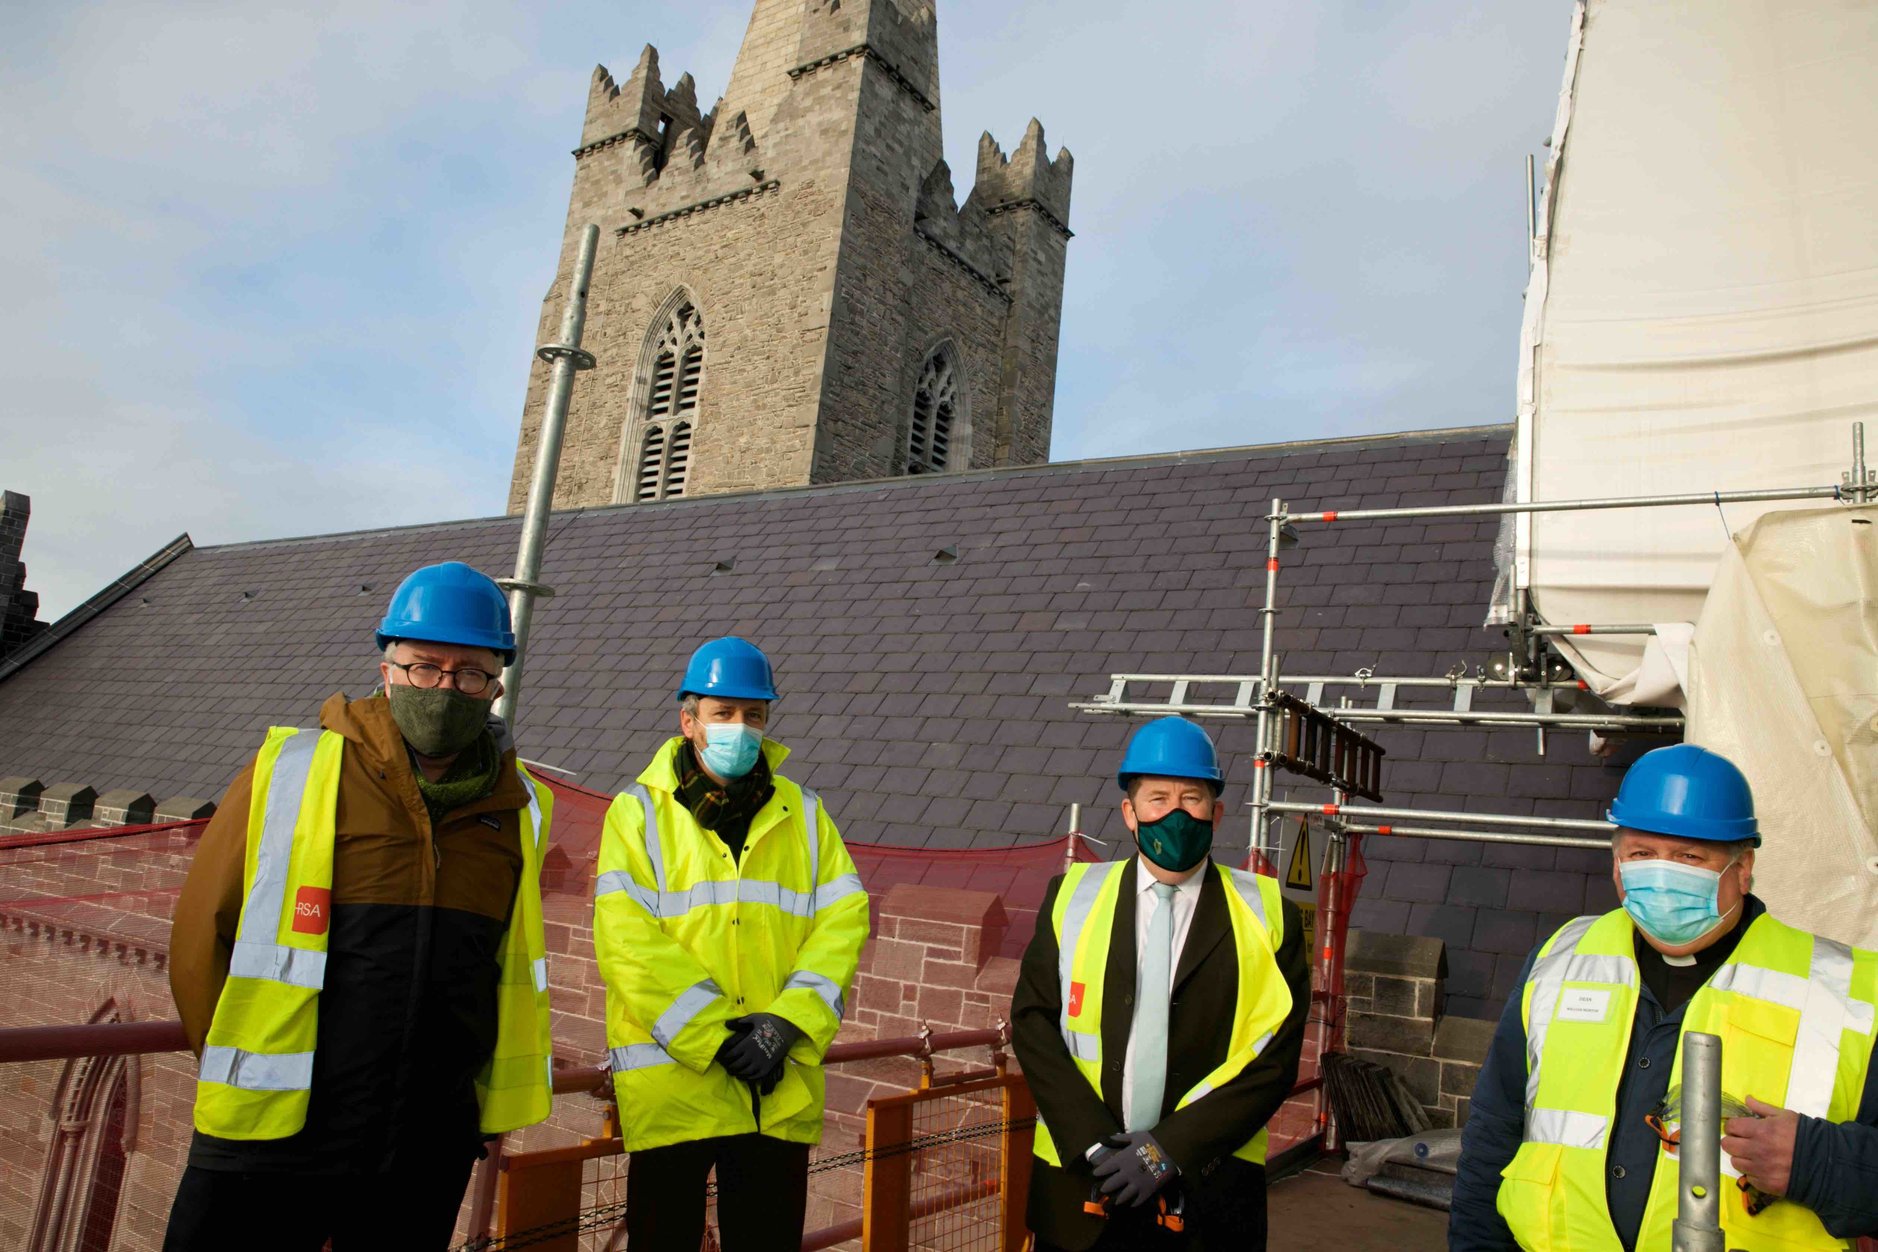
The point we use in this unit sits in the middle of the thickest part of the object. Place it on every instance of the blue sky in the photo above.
(268, 271)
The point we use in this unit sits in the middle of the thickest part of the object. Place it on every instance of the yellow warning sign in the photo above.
(1299, 873)
(1309, 913)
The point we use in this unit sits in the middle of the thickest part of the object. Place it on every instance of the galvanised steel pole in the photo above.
(1268, 674)
(1566, 506)
(566, 357)
(1698, 1189)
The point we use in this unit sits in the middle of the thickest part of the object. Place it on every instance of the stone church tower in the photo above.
(787, 291)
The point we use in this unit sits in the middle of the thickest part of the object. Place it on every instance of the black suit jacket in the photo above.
(1224, 1196)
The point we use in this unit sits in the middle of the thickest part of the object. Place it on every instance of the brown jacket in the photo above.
(407, 1015)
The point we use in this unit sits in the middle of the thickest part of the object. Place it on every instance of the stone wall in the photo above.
(19, 608)
(810, 218)
(1397, 990)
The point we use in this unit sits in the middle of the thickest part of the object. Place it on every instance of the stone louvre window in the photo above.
(935, 407)
(671, 406)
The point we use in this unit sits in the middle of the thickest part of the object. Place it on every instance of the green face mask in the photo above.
(1177, 842)
(437, 721)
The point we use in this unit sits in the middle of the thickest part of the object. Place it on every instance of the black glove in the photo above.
(756, 1048)
(1136, 1170)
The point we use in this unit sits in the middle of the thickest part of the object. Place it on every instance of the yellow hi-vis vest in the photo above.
(256, 1073)
(1794, 1014)
(1084, 920)
(688, 936)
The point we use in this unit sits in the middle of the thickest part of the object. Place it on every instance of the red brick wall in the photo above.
(87, 924)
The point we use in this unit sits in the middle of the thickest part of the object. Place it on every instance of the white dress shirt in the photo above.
(1186, 896)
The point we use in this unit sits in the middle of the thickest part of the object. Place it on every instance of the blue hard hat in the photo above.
(450, 603)
(1688, 792)
(1170, 747)
(731, 669)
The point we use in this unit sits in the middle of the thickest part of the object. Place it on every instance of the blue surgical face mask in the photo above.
(730, 748)
(1676, 904)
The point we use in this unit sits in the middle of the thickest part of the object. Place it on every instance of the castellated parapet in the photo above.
(788, 290)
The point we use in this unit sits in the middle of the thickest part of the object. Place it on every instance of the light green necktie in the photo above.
(1148, 1076)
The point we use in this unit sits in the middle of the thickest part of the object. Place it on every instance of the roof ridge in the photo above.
(1184, 456)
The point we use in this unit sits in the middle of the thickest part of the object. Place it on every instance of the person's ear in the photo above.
(1219, 811)
(1128, 815)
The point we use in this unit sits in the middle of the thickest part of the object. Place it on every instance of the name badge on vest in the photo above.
(1581, 1004)
(312, 910)
(1075, 999)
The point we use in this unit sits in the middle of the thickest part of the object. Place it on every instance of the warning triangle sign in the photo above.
(1298, 873)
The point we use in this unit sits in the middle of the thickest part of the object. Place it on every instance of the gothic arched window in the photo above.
(936, 405)
(93, 1113)
(677, 373)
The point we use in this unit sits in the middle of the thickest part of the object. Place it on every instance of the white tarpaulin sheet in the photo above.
(1703, 309)
(1783, 681)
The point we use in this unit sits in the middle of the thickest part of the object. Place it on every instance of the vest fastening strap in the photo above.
(257, 1071)
(1569, 1129)
(638, 1056)
(690, 1002)
(823, 987)
(1550, 973)
(1075, 917)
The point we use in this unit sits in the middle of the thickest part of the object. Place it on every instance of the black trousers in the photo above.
(762, 1195)
(412, 1210)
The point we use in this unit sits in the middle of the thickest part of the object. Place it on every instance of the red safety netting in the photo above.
(1017, 874)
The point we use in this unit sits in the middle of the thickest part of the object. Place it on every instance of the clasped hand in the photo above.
(757, 1049)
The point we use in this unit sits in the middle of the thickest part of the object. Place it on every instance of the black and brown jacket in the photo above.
(407, 1016)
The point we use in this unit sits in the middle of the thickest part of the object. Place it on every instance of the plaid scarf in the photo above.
(723, 809)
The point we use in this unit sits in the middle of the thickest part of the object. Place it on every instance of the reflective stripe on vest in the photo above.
(690, 1002)
(1783, 1001)
(1084, 922)
(668, 905)
(638, 1056)
(823, 987)
(257, 954)
(1075, 919)
(249, 1085)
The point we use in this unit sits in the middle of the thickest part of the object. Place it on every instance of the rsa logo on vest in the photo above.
(312, 910)
(1075, 999)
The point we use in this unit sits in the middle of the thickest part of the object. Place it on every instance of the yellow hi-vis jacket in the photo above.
(1794, 1014)
(256, 1071)
(1084, 920)
(688, 937)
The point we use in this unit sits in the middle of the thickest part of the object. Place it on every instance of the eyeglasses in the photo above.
(471, 682)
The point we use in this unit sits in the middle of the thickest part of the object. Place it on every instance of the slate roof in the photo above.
(929, 634)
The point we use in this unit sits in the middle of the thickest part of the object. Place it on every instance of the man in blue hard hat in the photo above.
(1575, 1112)
(357, 954)
(1159, 1015)
(728, 922)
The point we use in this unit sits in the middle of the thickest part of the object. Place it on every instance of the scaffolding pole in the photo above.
(1565, 506)
(566, 357)
(1361, 812)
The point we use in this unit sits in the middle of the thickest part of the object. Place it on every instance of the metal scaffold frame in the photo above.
(1526, 668)
(1349, 762)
